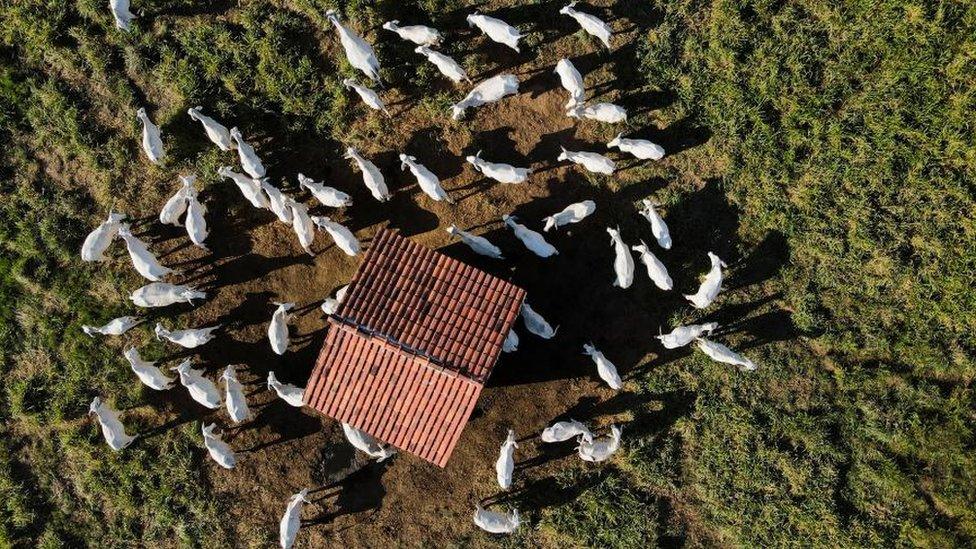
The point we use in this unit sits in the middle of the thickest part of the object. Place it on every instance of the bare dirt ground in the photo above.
(256, 261)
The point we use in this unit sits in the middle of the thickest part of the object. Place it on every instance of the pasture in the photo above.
(825, 151)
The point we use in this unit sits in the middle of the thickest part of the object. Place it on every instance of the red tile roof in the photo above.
(411, 346)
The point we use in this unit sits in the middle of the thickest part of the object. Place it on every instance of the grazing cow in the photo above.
(161, 294)
(116, 326)
(278, 329)
(496, 29)
(217, 132)
(148, 373)
(294, 396)
(640, 148)
(445, 64)
(489, 91)
(710, 287)
(143, 260)
(112, 428)
(219, 450)
(605, 368)
(152, 141)
(421, 35)
(594, 162)
(574, 213)
(188, 339)
(590, 23)
(429, 183)
(97, 241)
(249, 159)
(201, 389)
(656, 270)
(623, 262)
(534, 241)
(359, 53)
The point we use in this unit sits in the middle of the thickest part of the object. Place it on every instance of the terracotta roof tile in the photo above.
(411, 346)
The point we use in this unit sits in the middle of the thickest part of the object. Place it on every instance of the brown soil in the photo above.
(255, 260)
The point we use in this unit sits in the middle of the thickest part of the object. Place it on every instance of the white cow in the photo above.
(572, 81)
(116, 326)
(196, 224)
(479, 244)
(120, 12)
(594, 162)
(249, 187)
(421, 35)
(429, 183)
(291, 394)
(505, 465)
(590, 23)
(683, 335)
(152, 142)
(148, 373)
(511, 343)
(606, 369)
(161, 294)
(200, 388)
(640, 148)
(97, 241)
(562, 431)
(174, 208)
(445, 64)
(534, 241)
(143, 260)
(623, 262)
(331, 304)
(597, 450)
(655, 269)
(343, 237)
(188, 339)
(496, 29)
(112, 428)
(359, 53)
(372, 177)
(494, 522)
(219, 450)
(249, 159)
(574, 213)
(710, 287)
(278, 329)
(370, 97)
(720, 353)
(217, 132)
(489, 91)
(658, 227)
(291, 521)
(302, 223)
(535, 324)
(365, 443)
(277, 201)
(328, 196)
(503, 173)
(234, 396)
(601, 112)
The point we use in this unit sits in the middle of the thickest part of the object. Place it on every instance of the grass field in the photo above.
(826, 150)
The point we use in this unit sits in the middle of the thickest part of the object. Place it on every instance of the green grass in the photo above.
(845, 127)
